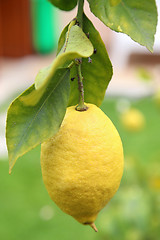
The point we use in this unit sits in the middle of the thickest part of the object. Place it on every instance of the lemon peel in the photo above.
(82, 165)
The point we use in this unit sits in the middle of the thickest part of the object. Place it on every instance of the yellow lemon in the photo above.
(133, 119)
(82, 164)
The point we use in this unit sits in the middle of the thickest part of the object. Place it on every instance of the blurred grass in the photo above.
(133, 214)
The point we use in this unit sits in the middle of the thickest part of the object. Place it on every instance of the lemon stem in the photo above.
(80, 13)
(94, 227)
(81, 106)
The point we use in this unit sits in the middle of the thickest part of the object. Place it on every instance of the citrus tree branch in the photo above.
(80, 12)
(81, 106)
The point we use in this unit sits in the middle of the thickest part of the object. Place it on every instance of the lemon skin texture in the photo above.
(133, 120)
(82, 165)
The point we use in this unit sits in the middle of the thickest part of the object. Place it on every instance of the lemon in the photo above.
(133, 120)
(82, 164)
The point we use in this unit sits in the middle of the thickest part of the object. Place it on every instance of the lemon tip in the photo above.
(94, 227)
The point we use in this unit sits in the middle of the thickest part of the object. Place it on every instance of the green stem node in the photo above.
(81, 106)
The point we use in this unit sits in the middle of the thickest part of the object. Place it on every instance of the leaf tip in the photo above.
(150, 48)
(11, 165)
(10, 169)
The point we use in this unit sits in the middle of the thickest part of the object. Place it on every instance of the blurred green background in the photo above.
(27, 212)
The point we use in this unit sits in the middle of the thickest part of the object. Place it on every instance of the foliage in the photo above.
(97, 74)
(63, 4)
(32, 119)
(138, 19)
(37, 113)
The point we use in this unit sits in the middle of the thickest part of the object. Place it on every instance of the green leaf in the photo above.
(65, 5)
(114, 2)
(31, 121)
(75, 45)
(62, 39)
(136, 18)
(37, 114)
(96, 74)
(76, 41)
